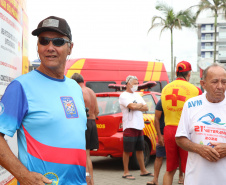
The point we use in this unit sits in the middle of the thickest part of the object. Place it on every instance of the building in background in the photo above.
(206, 41)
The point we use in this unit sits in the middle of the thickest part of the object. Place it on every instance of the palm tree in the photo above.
(171, 21)
(215, 6)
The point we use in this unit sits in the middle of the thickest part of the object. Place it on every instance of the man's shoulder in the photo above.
(159, 103)
(123, 94)
(25, 76)
(180, 83)
(89, 90)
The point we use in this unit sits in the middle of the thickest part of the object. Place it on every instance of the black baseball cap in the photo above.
(53, 23)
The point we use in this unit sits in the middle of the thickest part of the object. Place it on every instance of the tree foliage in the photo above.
(171, 20)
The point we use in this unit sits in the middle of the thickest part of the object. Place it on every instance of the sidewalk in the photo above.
(109, 171)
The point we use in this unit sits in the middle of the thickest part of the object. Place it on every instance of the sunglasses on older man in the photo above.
(56, 41)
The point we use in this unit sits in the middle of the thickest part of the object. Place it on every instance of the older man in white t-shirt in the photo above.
(202, 131)
(132, 105)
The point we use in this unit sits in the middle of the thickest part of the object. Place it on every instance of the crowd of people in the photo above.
(190, 126)
(44, 107)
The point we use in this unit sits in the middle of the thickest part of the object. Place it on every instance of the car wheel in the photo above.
(133, 163)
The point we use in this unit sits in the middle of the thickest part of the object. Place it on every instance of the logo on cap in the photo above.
(183, 66)
(55, 24)
(50, 22)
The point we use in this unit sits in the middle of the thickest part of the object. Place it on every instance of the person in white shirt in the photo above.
(132, 105)
(202, 130)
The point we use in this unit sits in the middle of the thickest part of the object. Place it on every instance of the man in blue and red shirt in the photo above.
(47, 110)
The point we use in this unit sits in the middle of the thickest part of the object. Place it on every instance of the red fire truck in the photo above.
(99, 73)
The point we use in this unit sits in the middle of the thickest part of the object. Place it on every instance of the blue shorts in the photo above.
(160, 151)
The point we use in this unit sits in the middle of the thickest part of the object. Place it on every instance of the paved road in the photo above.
(108, 171)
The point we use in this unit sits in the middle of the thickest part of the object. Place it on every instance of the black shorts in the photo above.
(91, 135)
(160, 151)
(133, 139)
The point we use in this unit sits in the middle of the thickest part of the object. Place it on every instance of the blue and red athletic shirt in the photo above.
(50, 119)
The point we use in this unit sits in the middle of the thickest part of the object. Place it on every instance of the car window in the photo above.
(164, 83)
(108, 105)
(158, 97)
(156, 88)
(150, 103)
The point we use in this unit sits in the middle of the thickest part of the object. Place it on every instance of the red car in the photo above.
(110, 131)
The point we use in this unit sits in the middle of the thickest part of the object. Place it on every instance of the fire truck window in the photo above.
(123, 82)
(156, 88)
(150, 103)
(108, 105)
(100, 86)
(164, 83)
(158, 97)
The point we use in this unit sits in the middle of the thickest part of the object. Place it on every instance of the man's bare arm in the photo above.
(138, 106)
(158, 115)
(11, 163)
(204, 151)
(144, 108)
(135, 106)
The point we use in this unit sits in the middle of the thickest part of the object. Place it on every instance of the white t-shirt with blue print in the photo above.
(50, 119)
(203, 122)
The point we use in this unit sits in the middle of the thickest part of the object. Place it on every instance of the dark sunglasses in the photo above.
(56, 41)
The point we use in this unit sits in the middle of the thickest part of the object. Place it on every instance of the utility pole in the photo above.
(174, 67)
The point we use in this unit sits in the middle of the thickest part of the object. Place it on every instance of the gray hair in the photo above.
(130, 78)
(204, 74)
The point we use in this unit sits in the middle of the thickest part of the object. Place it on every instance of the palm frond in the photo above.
(155, 18)
(163, 29)
(154, 26)
(205, 5)
(186, 18)
(171, 20)
(164, 8)
(222, 7)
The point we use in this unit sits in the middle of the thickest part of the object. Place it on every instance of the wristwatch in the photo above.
(88, 175)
